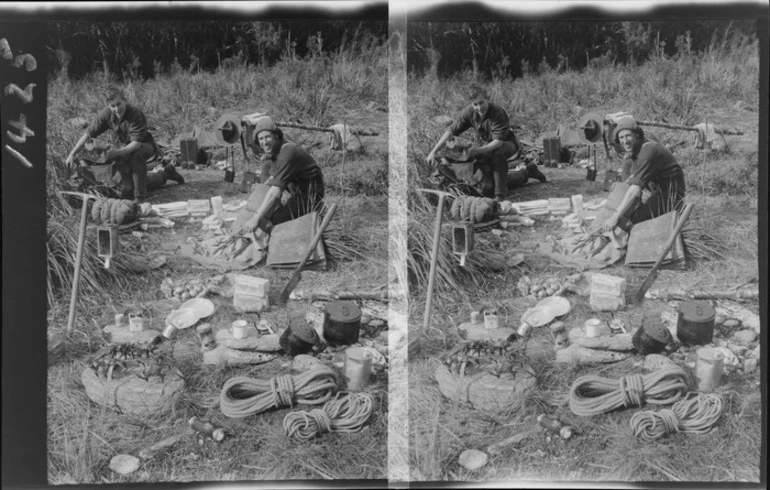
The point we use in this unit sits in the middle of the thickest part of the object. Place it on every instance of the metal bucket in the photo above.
(695, 322)
(342, 322)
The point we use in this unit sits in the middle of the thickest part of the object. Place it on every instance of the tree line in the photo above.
(146, 48)
(513, 49)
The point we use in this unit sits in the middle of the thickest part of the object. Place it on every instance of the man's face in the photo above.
(118, 107)
(266, 140)
(480, 106)
(627, 139)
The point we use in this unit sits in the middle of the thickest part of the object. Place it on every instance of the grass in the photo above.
(346, 86)
(721, 86)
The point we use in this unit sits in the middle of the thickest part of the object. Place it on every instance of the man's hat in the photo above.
(227, 129)
(590, 128)
(625, 122)
(264, 123)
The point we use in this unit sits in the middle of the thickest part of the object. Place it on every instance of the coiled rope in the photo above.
(348, 414)
(242, 396)
(693, 415)
(593, 395)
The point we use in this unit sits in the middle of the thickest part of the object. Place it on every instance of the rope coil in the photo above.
(242, 396)
(348, 414)
(593, 395)
(693, 415)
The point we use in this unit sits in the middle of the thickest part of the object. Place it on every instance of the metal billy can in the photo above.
(708, 368)
(695, 322)
(342, 322)
(358, 367)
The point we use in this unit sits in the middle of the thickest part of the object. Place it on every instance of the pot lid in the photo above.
(343, 311)
(697, 311)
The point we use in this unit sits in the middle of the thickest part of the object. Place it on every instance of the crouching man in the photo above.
(295, 179)
(129, 125)
(500, 144)
(655, 178)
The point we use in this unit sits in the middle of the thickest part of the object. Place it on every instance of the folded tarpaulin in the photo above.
(647, 240)
(289, 242)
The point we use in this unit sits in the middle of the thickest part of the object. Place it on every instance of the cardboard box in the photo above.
(604, 283)
(606, 302)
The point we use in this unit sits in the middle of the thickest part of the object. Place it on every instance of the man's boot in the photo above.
(535, 173)
(172, 174)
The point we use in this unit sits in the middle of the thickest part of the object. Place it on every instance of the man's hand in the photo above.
(646, 195)
(611, 223)
(431, 159)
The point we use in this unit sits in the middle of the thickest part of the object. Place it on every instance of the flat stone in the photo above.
(732, 323)
(124, 464)
(584, 355)
(304, 362)
(477, 331)
(748, 319)
(655, 362)
(232, 357)
(122, 335)
(618, 342)
(264, 343)
(473, 459)
(485, 391)
(744, 337)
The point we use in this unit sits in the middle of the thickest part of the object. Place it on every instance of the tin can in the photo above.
(240, 329)
(524, 329)
(708, 368)
(119, 319)
(169, 333)
(206, 337)
(358, 367)
(554, 426)
(207, 429)
(475, 317)
(491, 320)
(135, 321)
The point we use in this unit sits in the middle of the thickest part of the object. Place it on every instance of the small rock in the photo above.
(376, 323)
(732, 323)
(383, 337)
(304, 362)
(744, 337)
(124, 464)
(655, 362)
(473, 459)
(750, 365)
(738, 350)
